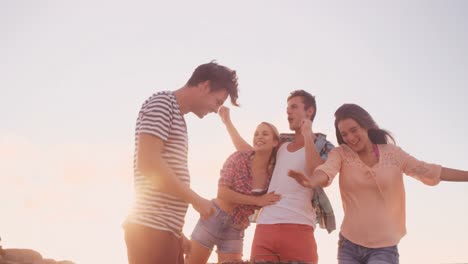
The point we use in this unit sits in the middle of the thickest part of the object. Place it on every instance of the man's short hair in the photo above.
(220, 77)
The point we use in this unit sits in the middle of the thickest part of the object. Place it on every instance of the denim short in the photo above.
(350, 253)
(221, 231)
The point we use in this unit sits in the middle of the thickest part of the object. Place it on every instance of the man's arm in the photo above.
(151, 164)
(236, 138)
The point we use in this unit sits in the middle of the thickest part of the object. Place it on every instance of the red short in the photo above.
(284, 242)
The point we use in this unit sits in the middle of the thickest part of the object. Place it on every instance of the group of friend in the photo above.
(280, 174)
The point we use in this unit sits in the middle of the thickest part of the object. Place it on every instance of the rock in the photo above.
(22, 255)
(49, 261)
(8, 262)
(26, 256)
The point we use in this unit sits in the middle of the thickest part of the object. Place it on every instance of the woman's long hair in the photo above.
(365, 120)
(272, 159)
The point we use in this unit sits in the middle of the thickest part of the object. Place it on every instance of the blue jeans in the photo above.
(350, 253)
(219, 230)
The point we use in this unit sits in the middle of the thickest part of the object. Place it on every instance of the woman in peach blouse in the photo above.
(371, 186)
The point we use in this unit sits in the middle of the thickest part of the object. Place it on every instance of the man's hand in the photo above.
(186, 247)
(204, 207)
(306, 129)
(268, 199)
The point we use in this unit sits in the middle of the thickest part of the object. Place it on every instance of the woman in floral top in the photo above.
(371, 186)
(241, 189)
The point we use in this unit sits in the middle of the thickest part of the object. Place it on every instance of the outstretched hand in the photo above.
(268, 199)
(224, 113)
(301, 178)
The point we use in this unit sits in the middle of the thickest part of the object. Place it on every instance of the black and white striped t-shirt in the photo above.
(160, 116)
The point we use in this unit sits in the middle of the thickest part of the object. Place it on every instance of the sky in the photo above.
(75, 73)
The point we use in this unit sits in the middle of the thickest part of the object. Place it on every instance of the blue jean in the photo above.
(219, 230)
(350, 253)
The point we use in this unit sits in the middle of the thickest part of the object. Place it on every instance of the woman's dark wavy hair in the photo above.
(365, 120)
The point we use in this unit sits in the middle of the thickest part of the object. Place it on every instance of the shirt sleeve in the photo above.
(156, 117)
(229, 170)
(326, 149)
(332, 165)
(425, 172)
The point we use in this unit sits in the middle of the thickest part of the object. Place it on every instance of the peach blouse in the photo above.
(374, 197)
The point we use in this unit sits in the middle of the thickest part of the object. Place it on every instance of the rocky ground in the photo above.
(26, 256)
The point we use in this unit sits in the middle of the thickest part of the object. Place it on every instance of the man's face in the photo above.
(297, 113)
(209, 101)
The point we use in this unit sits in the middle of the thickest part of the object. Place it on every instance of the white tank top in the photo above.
(295, 206)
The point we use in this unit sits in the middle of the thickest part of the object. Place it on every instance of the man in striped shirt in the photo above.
(153, 230)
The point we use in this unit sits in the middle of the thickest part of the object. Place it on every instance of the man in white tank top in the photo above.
(285, 230)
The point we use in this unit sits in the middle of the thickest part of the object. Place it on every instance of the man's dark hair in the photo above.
(220, 77)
